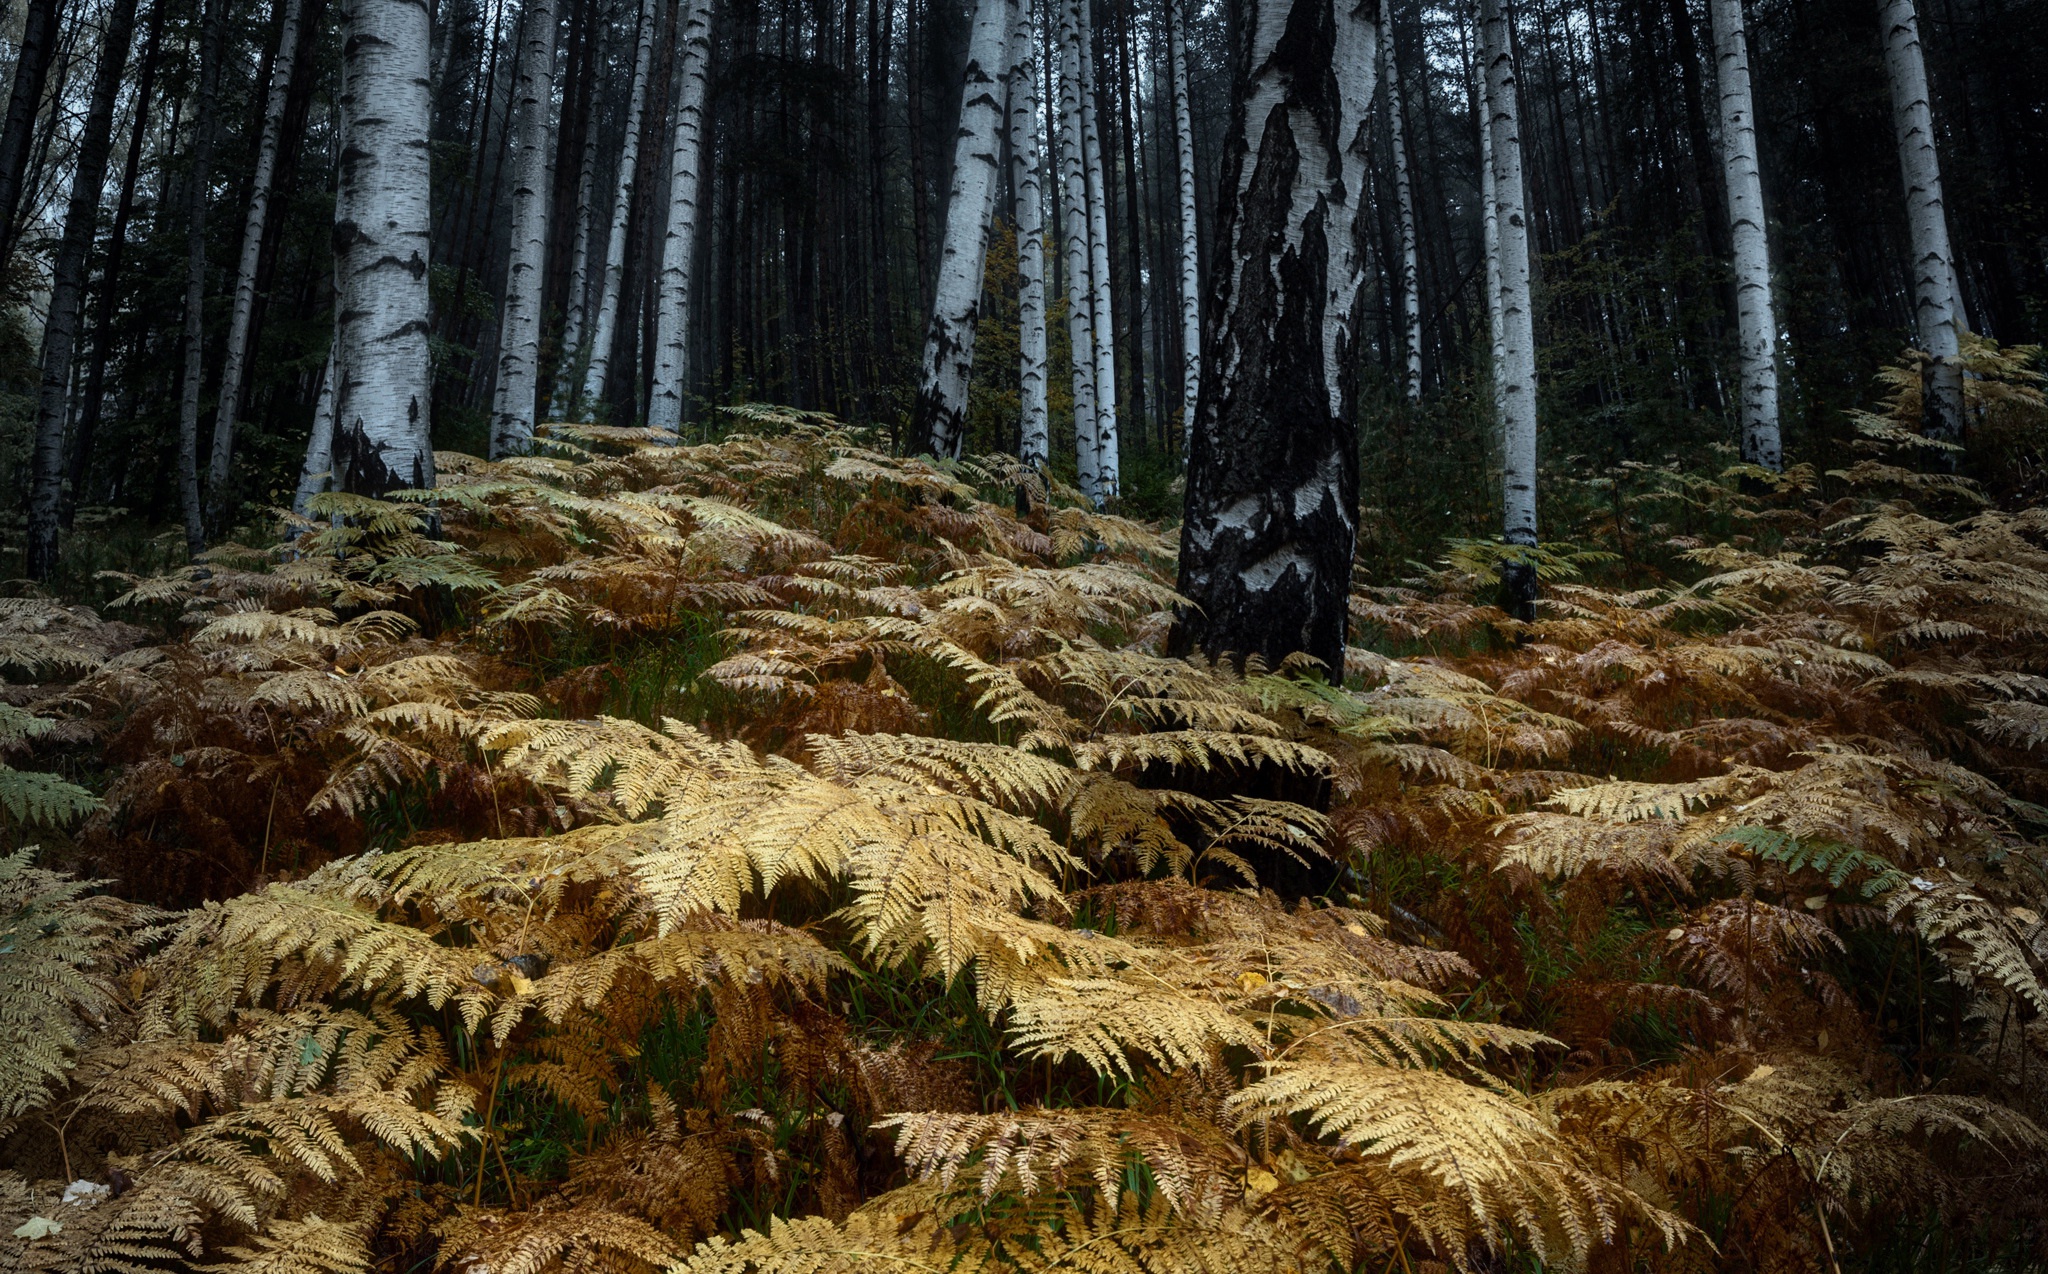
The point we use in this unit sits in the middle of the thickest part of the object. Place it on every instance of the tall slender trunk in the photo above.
(1517, 341)
(608, 283)
(1404, 202)
(109, 300)
(1936, 310)
(518, 384)
(382, 234)
(1079, 266)
(67, 290)
(1755, 319)
(679, 247)
(1272, 487)
(939, 419)
(577, 303)
(1034, 442)
(253, 230)
(1101, 312)
(31, 74)
(317, 473)
(1190, 260)
(196, 201)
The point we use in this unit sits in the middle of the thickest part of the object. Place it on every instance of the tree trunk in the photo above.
(253, 229)
(939, 419)
(109, 301)
(1101, 312)
(679, 248)
(1489, 235)
(608, 283)
(1190, 260)
(1272, 488)
(1755, 319)
(31, 73)
(1517, 341)
(317, 473)
(518, 384)
(1034, 443)
(1404, 202)
(1079, 267)
(67, 290)
(196, 195)
(382, 377)
(1935, 307)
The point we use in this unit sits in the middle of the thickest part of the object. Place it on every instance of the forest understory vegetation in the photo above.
(774, 854)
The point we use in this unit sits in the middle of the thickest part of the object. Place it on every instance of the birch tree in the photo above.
(382, 439)
(1937, 310)
(1516, 386)
(518, 385)
(196, 202)
(1190, 293)
(1080, 266)
(1756, 320)
(253, 229)
(939, 417)
(317, 473)
(578, 300)
(1101, 311)
(33, 54)
(1489, 242)
(605, 327)
(1272, 485)
(1033, 433)
(679, 248)
(1404, 204)
(67, 291)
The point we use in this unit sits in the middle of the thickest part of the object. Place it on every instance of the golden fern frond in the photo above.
(541, 1240)
(1002, 776)
(60, 951)
(1978, 940)
(307, 1246)
(155, 1225)
(1104, 1020)
(1198, 749)
(1563, 846)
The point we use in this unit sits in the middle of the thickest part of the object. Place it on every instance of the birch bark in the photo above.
(253, 227)
(1489, 230)
(939, 417)
(1935, 304)
(317, 473)
(606, 326)
(1033, 434)
(195, 276)
(1404, 202)
(67, 291)
(1101, 311)
(518, 388)
(1272, 488)
(1756, 323)
(578, 302)
(1190, 261)
(679, 248)
(1080, 267)
(382, 381)
(1517, 385)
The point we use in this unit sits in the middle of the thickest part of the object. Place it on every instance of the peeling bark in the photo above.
(1272, 488)
(1756, 320)
(1517, 338)
(1079, 264)
(1033, 435)
(1190, 260)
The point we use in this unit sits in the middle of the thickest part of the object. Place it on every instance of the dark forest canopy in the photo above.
(714, 637)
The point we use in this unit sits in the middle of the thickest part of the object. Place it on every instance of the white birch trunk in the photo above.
(195, 278)
(578, 302)
(1935, 308)
(316, 474)
(1033, 434)
(1080, 268)
(1756, 321)
(382, 376)
(518, 384)
(234, 367)
(1517, 330)
(1489, 228)
(1404, 202)
(940, 416)
(1272, 495)
(1190, 261)
(605, 328)
(1101, 311)
(679, 249)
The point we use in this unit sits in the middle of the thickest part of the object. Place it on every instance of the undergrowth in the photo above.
(772, 855)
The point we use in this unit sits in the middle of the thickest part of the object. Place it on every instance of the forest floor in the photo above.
(774, 855)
